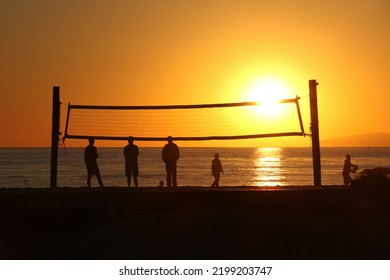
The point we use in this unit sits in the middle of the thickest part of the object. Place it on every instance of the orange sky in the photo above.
(153, 52)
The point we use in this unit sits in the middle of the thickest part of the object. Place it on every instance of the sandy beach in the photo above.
(194, 223)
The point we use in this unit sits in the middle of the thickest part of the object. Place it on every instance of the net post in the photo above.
(55, 132)
(315, 136)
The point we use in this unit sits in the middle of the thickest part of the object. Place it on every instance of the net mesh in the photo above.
(234, 120)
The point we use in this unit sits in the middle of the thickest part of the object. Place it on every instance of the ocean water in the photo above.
(30, 167)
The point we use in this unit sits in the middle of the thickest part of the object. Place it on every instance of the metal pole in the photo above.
(55, 132)
(315, 135)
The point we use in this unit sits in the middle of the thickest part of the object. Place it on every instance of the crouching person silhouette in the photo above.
(348, 168)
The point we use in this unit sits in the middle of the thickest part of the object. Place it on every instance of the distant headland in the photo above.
(375, 139)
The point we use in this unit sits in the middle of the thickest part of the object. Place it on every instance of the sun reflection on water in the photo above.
(268, 167)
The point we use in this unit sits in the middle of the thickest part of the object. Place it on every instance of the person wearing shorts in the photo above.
(131, 162)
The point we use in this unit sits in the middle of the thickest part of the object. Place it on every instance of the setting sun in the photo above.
(194, 52)
(267, 93)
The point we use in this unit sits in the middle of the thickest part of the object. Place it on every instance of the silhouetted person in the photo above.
(170, 155)
(90, 156)
(216, 169)
(131, 162)
(348, 168)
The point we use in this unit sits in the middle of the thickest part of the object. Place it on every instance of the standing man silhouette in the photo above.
(216, 170)
(90, 156)
(170, 155)
(131, 162)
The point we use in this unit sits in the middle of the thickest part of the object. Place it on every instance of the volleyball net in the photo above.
(184, 122)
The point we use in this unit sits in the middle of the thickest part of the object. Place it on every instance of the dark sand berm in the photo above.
(194, 223)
